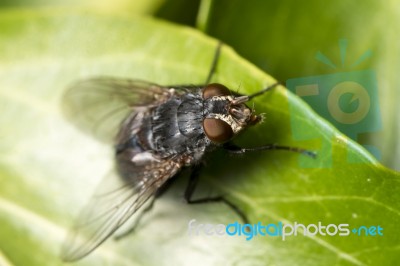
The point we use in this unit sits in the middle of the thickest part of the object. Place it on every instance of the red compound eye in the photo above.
(215, 89)
(217, 130)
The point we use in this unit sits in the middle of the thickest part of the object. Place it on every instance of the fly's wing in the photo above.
(99, 105)
(114, 202)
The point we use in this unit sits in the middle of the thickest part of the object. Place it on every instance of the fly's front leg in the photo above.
(214, 63)
(194, 178)
(232, 148)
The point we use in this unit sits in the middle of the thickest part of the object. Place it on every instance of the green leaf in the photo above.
(48, 168)
(139, 7)
(283, 38)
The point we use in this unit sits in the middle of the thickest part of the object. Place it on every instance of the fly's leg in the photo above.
(213, 68)
(214, 63)
(194, 178)
(232, 148)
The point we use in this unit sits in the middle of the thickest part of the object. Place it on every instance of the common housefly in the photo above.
(156, 131)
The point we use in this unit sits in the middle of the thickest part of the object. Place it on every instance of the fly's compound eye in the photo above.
(217, 130)
(215, 89)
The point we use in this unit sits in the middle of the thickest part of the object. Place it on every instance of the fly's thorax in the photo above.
(176, 125)
(225, 115)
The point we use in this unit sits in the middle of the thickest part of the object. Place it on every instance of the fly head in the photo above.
(225, 114)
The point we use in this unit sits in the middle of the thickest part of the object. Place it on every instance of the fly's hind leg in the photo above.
(194, 178)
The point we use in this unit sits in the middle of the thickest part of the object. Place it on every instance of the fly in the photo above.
(156, 131)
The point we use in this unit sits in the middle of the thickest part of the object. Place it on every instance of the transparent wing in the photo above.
(114, 202)
(99, 105)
